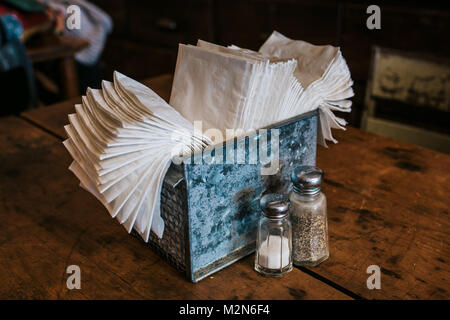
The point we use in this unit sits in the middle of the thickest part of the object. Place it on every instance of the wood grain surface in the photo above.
(49, 223)
(388, 205)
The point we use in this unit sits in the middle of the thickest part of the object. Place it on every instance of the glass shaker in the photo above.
(308, 217)
(274, 239)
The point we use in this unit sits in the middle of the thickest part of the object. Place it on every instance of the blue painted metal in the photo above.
(223, 199)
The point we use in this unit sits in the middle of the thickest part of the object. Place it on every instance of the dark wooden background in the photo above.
(146, 33)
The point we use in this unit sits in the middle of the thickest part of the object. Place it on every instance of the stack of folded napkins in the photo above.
(234, 88)
(123, 137)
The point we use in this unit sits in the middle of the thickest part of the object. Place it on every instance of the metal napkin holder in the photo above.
(210, 211)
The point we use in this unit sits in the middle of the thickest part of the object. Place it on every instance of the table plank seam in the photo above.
(331, 283)
(41, 127)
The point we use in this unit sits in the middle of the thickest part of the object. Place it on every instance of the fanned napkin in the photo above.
(323, 75)
(122, 139)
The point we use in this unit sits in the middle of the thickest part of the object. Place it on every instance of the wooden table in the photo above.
(388, 205)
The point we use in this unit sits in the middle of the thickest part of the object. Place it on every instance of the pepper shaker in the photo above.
(308, 217)
(274, 240)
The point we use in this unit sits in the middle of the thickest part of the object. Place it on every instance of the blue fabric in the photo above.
(12, 28)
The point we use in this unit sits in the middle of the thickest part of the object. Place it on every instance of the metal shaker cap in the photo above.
(307, 180)
(275, 206)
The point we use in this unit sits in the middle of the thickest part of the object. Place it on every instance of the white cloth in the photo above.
(95, 27)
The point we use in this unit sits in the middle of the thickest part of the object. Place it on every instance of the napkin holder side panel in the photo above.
(211, 211)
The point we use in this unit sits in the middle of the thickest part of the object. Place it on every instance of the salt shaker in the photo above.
(274, 239)
(308, 217)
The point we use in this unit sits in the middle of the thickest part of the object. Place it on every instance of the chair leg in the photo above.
(69, 78)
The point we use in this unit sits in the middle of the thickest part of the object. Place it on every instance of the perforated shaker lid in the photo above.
(307, 180)
(275, 206)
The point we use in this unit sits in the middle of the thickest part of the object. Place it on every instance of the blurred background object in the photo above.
(31, 14)
(16, 71)
(64, 58)
(93, 25)
(145, 37)
(408, 98)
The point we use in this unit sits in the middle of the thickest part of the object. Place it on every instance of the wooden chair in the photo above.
(415, 94)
